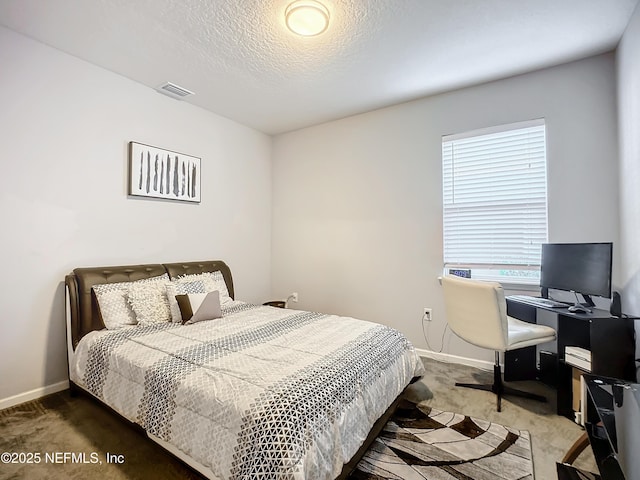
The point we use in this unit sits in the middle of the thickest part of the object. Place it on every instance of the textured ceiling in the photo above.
(242, 62)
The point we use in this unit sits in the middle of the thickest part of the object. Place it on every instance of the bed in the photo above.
(257, 391)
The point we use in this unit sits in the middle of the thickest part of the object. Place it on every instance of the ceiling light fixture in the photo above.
(307, 17)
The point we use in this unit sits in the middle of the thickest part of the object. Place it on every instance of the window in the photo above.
(495, 201)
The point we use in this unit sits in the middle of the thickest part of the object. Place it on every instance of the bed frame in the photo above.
(82, 316)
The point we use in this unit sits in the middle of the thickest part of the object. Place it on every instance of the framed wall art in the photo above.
(159, 173)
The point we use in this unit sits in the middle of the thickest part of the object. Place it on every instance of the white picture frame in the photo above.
(159, 173)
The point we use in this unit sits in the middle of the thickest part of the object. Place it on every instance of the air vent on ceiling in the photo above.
(174, 90)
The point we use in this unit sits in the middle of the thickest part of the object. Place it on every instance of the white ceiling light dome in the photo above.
(307, 17)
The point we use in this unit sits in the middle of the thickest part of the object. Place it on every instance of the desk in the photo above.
(613, 427)
(611, 341)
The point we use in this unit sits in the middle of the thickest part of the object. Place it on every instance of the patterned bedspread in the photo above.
(261, 393)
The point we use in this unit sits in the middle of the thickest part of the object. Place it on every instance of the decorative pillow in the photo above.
(114, 308)
(196, 307)
(113, 302)
(212, 281)
(176, 288)
(149, 302)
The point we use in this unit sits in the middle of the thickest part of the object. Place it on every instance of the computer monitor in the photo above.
(583, 268)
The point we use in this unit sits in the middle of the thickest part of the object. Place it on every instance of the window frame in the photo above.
(523, 275)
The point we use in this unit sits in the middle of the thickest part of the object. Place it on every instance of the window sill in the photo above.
(511, 286)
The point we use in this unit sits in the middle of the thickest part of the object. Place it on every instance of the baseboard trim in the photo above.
(33, 394)
(448, 358)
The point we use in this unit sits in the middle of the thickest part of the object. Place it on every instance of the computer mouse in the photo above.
(578, 309)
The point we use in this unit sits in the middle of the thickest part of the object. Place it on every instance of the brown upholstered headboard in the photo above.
(83, 308)
(190, 268)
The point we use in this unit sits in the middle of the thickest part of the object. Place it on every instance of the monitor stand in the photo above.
(587, 300)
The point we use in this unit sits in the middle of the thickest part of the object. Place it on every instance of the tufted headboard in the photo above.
(83, 315)
(191, 268)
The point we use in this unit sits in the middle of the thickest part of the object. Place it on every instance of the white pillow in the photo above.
(149, 302)
(115, 309)
(113, 302)
(212, 281)
(181, 288)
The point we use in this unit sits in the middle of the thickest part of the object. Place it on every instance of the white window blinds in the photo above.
(495, 199)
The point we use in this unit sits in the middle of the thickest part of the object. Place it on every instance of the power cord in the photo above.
(426, 337)
(293, 297)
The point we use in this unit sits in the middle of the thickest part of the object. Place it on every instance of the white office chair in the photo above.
(477, 312)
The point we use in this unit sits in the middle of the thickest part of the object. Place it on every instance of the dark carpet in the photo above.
(64, 437)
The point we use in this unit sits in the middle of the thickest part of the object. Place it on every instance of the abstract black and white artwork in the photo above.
(159, 173)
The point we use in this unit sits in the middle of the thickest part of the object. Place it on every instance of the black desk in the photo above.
(611, 341)
(613, 427)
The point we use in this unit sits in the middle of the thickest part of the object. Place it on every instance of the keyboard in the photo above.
(538, 301)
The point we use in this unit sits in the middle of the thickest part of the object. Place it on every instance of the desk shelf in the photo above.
(612, 426)
(611, 341)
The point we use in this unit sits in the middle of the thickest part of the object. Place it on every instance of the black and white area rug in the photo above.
(424, 443)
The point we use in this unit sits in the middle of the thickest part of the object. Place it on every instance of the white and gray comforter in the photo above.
(260, 393)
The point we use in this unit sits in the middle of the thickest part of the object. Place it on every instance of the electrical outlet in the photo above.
(426, 314)
(294, 297)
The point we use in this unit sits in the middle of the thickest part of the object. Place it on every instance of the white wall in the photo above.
(357, 209)
(65, 126)
(628, 63)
